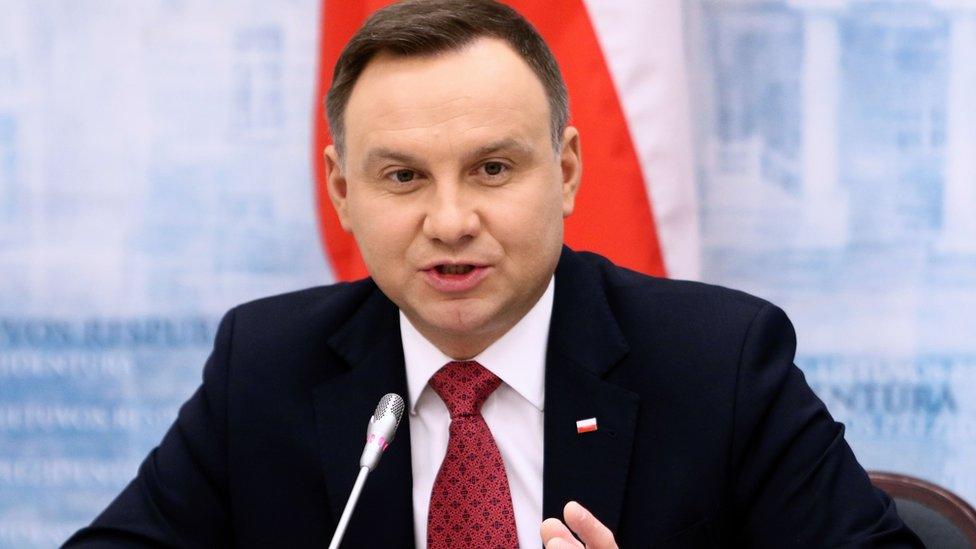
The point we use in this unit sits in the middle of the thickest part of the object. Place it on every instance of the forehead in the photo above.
(483, 91)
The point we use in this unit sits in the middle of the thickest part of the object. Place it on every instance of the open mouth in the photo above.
(454, 269)
(455, 278)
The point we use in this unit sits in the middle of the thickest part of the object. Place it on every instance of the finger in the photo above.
(560, 543)
(593, 533)
(556, 535)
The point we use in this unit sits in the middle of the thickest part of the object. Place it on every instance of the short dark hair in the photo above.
(428, 27)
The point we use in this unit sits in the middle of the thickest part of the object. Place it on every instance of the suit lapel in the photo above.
(585, 342)
(370, 344)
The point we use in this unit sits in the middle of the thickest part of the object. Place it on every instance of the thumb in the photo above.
(593, 533)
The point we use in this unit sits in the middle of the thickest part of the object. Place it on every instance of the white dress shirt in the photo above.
(513, 413)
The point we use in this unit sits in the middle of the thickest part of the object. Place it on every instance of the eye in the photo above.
(404, 176)
(493, 168)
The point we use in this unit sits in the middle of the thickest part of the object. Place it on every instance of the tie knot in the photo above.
(464, 386)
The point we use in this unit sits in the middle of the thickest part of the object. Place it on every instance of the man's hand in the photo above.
(555, 534)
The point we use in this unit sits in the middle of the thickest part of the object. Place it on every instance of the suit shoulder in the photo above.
(625, 286)
(688, 330)
(337, 291)
(320, 308)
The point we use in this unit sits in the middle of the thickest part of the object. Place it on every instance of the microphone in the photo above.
(381, 428)
(379, 434)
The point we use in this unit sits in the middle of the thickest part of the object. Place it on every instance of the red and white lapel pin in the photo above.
(586, 425)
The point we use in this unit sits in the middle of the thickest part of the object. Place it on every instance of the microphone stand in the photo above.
(347, 511)
(379, 433)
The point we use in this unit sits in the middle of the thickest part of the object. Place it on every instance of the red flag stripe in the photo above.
(339, 22)
(613, 214)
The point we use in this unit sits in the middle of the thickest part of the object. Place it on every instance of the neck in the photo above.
(469, 344)
(463, 347)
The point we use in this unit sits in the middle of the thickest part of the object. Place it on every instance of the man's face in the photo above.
(452, 189)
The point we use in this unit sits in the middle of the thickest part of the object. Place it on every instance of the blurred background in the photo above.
(156, 168)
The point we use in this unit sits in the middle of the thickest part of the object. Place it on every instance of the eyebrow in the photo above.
(506, 144)
(383, 153)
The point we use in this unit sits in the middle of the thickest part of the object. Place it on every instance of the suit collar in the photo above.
(370, 344)
(585, 343)
(583, 327)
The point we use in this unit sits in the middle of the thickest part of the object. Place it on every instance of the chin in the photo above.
(459, 319)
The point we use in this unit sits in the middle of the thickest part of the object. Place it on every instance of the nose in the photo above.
(451, 218)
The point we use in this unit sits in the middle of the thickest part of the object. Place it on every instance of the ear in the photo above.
(571, 164)
(335, 182)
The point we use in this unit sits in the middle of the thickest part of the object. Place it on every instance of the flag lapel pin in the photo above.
(586, 425)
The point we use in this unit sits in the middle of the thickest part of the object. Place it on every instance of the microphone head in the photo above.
(381, 428)
(391, 404)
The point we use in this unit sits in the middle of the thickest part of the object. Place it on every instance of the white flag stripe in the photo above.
(643, 42)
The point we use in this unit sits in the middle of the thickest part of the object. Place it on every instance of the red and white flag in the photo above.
(624, 65)
(586, 425)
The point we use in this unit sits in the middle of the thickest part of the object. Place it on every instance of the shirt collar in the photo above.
(518, 357)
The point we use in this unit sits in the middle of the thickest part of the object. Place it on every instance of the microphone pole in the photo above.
(379, 433)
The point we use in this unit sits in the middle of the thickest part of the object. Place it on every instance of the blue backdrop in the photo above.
(837, 177)
(154, 171)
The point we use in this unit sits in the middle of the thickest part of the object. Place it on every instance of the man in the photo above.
(454, 168)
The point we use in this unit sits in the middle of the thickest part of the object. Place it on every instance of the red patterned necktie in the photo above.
(470, 504)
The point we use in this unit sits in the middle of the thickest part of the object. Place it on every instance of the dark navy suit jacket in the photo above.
(708, 434)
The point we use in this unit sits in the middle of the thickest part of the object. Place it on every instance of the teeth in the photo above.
(455, 269)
